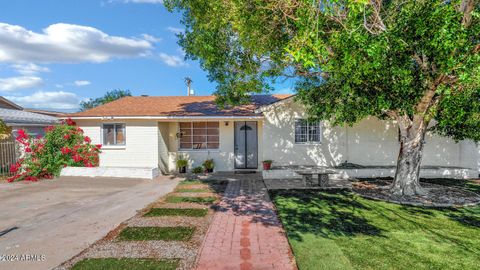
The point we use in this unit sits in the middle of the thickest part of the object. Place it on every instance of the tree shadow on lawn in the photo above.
(326, 214)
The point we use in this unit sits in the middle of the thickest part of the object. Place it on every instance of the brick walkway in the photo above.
(245, 232)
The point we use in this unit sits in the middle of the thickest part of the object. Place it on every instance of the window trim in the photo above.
(191, 135)
(308, 142)
(115, 145)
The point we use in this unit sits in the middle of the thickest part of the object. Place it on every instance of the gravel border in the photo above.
(437, 196)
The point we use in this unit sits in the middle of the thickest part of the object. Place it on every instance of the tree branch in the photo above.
(466, 7)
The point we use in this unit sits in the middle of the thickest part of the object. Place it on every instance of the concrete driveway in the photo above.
(56, 219)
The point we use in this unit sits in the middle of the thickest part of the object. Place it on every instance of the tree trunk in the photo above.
(407, 175)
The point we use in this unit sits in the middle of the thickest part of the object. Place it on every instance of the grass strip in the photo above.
(187, 212)
(179, 199)
(156, 233)
(192, 190)
(125, 263)
(190, 182)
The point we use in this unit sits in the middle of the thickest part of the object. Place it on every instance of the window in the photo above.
(113, 134)
(199, 135)
(306, 131)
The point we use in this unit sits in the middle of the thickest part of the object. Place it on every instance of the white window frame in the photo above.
(191, 135)
(309, 124)
(115, 135)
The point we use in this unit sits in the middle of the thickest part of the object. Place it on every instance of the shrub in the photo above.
(197, 170)
(63, 145)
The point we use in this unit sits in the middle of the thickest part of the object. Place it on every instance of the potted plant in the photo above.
(208, 165)
(267, 164)
(182, 164)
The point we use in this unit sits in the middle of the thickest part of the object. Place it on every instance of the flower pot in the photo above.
(182, 169)
(267, 166)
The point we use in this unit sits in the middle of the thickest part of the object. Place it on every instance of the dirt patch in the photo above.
(435, 195)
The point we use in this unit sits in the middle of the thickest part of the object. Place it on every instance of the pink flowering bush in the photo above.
(63, 145)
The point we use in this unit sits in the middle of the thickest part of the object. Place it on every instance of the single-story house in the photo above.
(152, 131)
(33, 122)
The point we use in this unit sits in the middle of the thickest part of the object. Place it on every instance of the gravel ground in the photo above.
(194, 194)
(435, 195)
(187, 251)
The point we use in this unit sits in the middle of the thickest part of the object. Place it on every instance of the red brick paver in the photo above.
(245, 232)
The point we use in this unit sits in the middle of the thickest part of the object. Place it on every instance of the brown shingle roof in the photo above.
(176, 106)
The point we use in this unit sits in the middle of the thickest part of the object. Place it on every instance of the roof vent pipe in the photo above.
(188, 82)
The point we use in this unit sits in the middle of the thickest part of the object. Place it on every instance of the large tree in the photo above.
(416, 62)
(109, 96)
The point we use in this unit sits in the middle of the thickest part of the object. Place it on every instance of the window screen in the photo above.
(114, 134)
(306, 131)
(199, 135)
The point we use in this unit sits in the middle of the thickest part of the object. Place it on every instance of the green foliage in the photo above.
(5, 131)
(350, 59)
(180, 199)
(197, 170)
(108, 97)
(187, 212)
(208, 164)
(63, 145)
(126, 263)
(181, 162)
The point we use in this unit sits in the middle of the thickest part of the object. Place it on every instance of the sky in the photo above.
(56, 53)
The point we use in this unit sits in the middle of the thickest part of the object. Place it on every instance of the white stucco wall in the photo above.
(223, 157)
(141, 147)
(370, 142)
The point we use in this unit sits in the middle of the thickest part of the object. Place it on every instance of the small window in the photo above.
(307, 131)
(199, 135)
(113, 134)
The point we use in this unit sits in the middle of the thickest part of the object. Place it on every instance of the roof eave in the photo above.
(146, 117)
(262, 108)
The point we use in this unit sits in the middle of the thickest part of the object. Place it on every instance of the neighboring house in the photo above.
(153, 131)
(18, 118)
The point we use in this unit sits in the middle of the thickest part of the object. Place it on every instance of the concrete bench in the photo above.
(322, 177)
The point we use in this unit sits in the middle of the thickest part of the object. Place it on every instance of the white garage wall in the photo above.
(141, 147)
(370, 142)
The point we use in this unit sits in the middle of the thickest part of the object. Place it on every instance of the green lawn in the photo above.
(156, 233)
(188, 212)
(125, 263)
(343, 231)
(180, 199)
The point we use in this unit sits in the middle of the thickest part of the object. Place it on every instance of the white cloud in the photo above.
(151, 38)
(29, 69)
(22, 82)
(81, 83)
(172, 60)
(175, 30)
(58, 85)
(48, 100)
(66, 43)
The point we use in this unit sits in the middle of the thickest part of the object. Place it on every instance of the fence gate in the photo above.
(8, 156)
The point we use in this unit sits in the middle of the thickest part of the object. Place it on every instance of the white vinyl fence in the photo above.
(9, 154)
